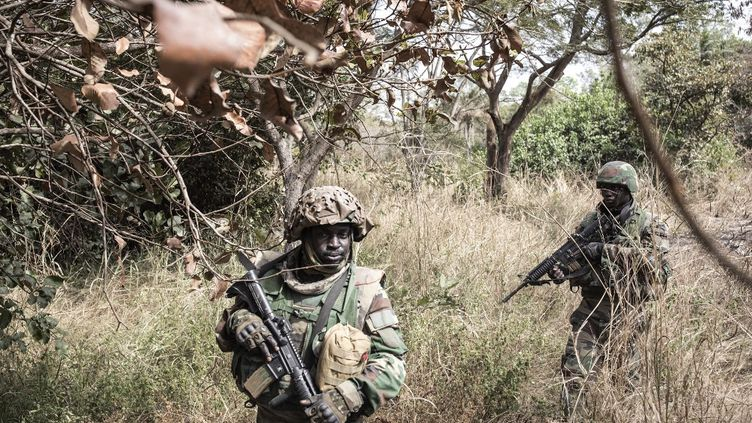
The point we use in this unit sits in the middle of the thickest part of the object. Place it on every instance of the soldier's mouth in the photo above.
(334, 257)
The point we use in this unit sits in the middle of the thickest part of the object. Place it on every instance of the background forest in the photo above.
(143, 142)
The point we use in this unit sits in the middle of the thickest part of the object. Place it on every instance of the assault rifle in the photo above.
(571, 250)
(285, 361)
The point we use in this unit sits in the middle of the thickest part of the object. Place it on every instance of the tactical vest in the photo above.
(629, 234)
(351, 307)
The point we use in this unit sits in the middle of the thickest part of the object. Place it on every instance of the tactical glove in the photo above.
(334, 405)
(251, 332)
(593, 250)
(557, 275)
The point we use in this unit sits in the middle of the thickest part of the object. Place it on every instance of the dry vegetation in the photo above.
(471, 358)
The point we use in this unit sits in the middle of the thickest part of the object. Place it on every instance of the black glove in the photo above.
(327, 407)
(252, 333)
(593, 250)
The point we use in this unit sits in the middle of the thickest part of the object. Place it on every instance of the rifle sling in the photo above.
(324, 313)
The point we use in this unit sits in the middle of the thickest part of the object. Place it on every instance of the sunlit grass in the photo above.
(471, 358)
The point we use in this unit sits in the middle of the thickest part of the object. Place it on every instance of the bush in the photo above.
(580, 132)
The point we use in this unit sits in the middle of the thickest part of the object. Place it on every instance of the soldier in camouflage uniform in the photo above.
(357, 357)
(617, 273)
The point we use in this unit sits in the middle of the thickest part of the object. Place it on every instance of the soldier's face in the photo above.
(331, 243)
(615, 198)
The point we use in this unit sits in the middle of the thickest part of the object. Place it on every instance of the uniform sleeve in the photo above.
(384, 373)
(227, 326)
(650, 255)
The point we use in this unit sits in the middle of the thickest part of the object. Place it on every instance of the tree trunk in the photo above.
(497, 150)
(492, 177)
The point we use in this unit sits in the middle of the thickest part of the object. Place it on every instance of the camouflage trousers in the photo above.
(595, 322)
(591, 322)
(292, 414)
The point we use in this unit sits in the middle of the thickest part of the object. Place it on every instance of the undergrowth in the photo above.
(146, 352)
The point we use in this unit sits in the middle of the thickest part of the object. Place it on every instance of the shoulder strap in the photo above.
(325, 311)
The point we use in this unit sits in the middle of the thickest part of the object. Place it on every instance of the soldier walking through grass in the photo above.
(351, 343)
(622, 267)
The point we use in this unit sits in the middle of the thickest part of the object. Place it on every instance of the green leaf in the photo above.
(480, 61)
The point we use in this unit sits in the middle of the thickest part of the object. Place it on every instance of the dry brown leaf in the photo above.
(210, 99)
(69, 145)
(362, 63)
(390, 98)
(121, 45)
(120, 243)
(195, 283)
(174, 99)
(344, 17)
(442, 86)
(66, 96)
(363, 36)
(103, 95)
(238, 122)
(309, 6)
(278, 108)
(500, 46)
(450, 66)
(515, 41)
(403, 56)
(85, 25)
(30, 26)
(419, 17)
(195, 39)
(307, 36)
(330, 60)
(423, 56)
(128, 73)
(114, 148)
(268, 152)
(413, 53)
(339, 113)
(219, 288)
(255, 36)
(454, 8)
(189, 263)
(163, 80)
(97, 61)
(173, 243)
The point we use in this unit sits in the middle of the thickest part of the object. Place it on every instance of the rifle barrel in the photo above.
(515, 290)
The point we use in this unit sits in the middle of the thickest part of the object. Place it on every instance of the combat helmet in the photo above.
(327, 205)
(617, 173)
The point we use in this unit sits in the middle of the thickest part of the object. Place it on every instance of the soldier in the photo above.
(351, 342)
(617, 272)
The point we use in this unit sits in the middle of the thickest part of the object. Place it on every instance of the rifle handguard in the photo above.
(566, 252)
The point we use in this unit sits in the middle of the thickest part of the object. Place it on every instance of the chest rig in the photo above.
(303, 310)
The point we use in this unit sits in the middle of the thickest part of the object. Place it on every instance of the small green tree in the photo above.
(693, 84)
(578, 131)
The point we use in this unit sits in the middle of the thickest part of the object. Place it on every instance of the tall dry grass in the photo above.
(471, 359)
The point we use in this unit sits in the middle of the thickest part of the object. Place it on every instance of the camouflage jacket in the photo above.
(634, 261)
(362, 303)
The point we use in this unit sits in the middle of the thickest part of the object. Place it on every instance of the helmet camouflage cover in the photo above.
(617, 173)
(327, 205)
